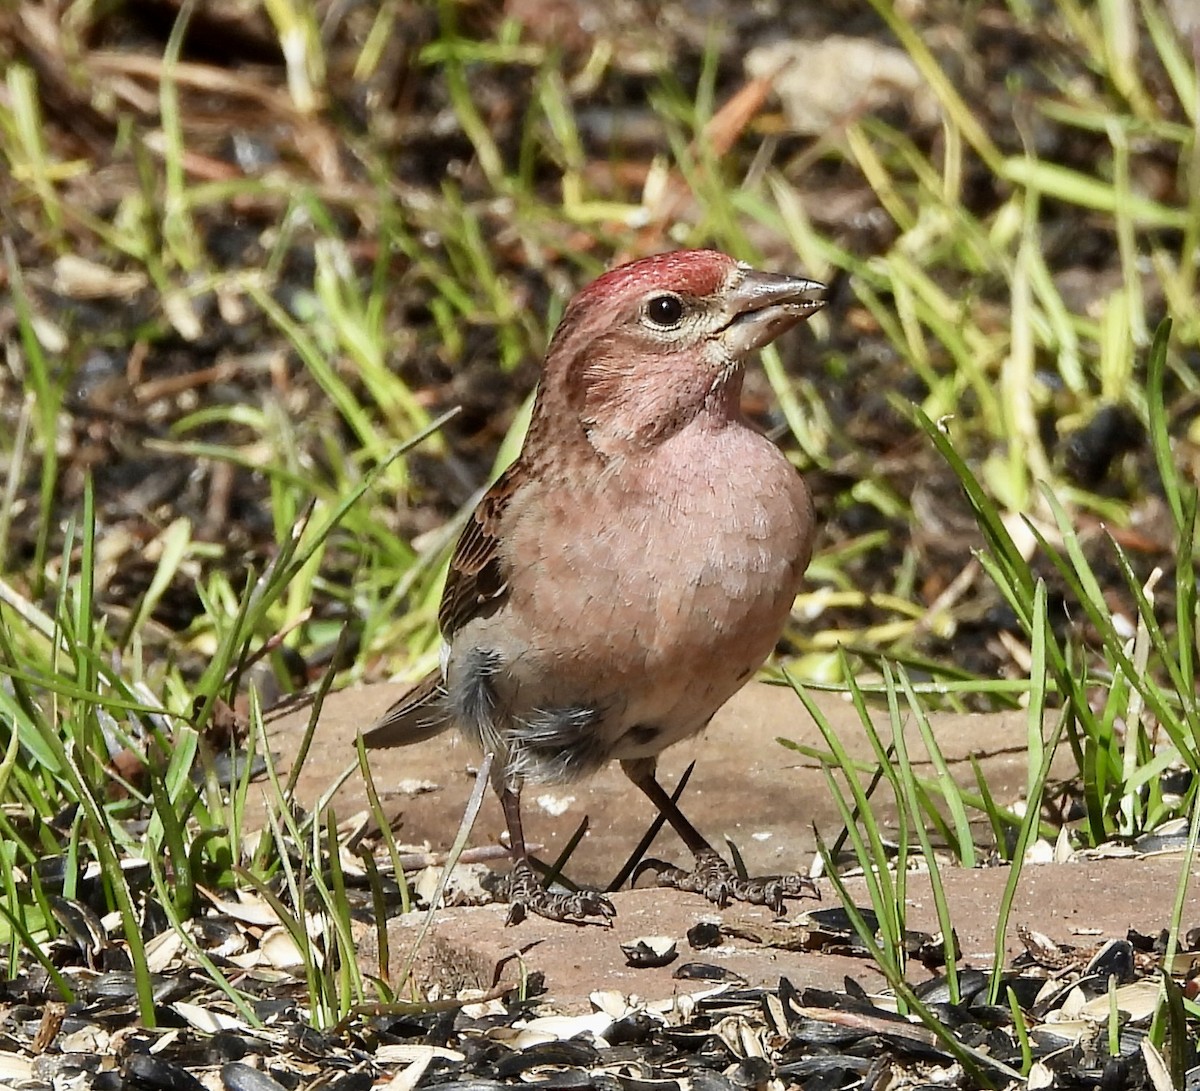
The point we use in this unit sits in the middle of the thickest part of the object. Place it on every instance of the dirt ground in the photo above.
(746, 786)
(1077, 904)
(768, 800)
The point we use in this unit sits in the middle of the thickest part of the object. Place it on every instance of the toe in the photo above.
(526, 895)
(720, 884)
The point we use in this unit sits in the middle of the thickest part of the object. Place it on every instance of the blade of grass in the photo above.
(471, 812)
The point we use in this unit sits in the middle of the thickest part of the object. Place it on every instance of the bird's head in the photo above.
(650, 346)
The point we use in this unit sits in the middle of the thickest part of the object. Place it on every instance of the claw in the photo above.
(720, 884)
(527, 895)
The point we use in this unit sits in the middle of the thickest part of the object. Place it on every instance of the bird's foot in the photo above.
(720, 884)
(526, 894)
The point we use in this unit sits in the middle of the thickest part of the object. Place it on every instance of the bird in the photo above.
(634, 566)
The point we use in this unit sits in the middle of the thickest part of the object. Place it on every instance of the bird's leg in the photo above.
(712, 876)
(526, 893)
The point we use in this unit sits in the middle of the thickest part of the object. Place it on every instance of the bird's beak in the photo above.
(764, 305)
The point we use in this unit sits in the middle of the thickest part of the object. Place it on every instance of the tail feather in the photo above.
(420, 714)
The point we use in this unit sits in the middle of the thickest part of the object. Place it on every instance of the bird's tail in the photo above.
(420, 714)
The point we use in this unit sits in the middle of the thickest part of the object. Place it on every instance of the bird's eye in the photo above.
(665, 311)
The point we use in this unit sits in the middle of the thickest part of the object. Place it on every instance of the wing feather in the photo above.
(475, 587)
(477, 583)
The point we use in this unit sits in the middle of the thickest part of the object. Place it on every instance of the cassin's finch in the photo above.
(635, 565)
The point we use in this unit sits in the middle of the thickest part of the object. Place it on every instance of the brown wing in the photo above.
(475, 586)
(476, 583)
